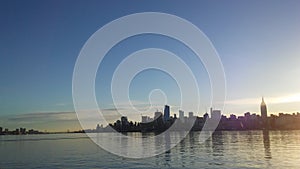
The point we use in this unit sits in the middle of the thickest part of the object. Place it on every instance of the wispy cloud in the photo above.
(292, 98)
(50, 121)
(244, 101)
(62, 104)
(61, 116)
(57, 121)
(136, 105)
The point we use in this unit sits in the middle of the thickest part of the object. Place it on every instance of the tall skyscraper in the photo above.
(167, 113)
(181, 115)
(215, 114)
(124, 121)
(263, 111)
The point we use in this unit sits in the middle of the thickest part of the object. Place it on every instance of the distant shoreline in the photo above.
(77, 132)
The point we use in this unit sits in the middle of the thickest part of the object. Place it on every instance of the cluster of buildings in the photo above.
(263, 121)
(162, 121)
(18, 131)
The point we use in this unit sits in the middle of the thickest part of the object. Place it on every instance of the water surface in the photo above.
(226, 149)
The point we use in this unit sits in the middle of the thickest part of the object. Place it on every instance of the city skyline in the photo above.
(162, 121)
(182, 116)
(257, 43)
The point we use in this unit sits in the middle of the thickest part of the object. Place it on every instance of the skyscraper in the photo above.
(124, 121)
(263, 111)
(191, 114)
(167, 113)
(215, 114)
(181, 115)
(144, 119)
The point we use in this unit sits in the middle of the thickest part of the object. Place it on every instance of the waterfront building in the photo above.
(181, 115)
(166, 113)
(215, 114)
(191, 114)
(157, 114)
(264, 113)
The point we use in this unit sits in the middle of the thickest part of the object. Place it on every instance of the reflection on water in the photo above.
(217, 143)
(225, 149)
(266, 139)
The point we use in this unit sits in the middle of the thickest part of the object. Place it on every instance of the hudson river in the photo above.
(226, 149)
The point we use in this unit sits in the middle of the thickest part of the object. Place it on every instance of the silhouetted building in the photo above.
(157, 114)
(17, 131)
(98, 128)
(205, 116)
(247, 116)
(181, 115)
(118, 124)
(158, 123)
(232, 117)
(144, 119)
(175, 116)
(124, 121)
(191, 114)
(147, 119)
(263, 111)
(166, 113)
(22, 131)
(215, 114)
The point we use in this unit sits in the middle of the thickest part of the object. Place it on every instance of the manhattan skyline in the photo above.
(257, 42)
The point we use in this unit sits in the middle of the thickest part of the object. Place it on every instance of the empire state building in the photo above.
(263, 111)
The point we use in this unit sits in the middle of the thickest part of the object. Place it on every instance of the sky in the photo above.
(258, 43)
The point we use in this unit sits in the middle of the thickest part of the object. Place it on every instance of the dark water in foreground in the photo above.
(227, 149)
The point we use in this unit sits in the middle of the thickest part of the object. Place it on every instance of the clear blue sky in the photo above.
(258, 43)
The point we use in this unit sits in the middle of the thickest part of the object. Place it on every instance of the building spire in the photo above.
(263, 101)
